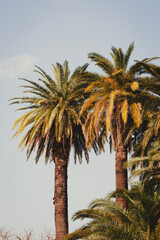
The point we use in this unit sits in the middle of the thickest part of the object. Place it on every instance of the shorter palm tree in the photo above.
(141, 221)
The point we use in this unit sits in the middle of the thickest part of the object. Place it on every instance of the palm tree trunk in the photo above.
(60, 195)
(121, 158)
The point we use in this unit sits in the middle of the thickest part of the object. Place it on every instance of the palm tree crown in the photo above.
(52, 113)
(121, 87)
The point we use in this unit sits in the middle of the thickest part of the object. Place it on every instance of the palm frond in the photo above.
(128, 54)
(102, 62)
(124, 111)
(136, 115)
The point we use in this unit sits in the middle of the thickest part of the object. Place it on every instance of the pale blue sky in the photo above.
(43, 32)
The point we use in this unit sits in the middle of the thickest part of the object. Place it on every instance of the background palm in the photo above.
(52, 126)
(153, 126)
(116, 100)
(109, 221)
(149, 130)
(147, 167)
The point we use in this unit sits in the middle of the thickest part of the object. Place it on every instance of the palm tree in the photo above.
(53, 127)
(115, 104)
(153, 127)
(147, 167)
(150, 129)
(141, 221)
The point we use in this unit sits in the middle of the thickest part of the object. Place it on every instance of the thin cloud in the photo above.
(16, 66)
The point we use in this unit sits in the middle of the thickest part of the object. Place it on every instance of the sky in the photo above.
(43, 32)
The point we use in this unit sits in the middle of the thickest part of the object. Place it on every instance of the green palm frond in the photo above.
(35, 86)
(152, 129)
(118, 57)
(57, 74)
(147, 166)
(66, 71)
(128, 54)
(46, 76)
(152, 69)
(102, 62)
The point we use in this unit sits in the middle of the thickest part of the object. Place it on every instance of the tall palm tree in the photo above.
(115, 103)
(53, 127)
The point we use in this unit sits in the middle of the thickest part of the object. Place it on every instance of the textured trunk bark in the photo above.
(61, 196)
(121, 158)
(121, 173)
